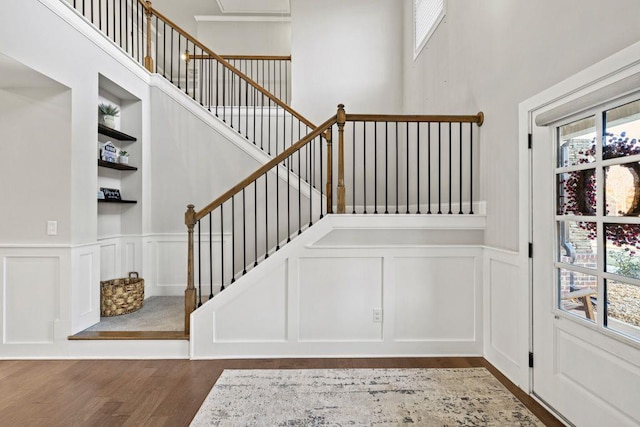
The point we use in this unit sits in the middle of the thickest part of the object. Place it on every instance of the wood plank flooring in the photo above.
(160, 392)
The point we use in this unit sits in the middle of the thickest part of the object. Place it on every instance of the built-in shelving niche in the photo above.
(120, 218)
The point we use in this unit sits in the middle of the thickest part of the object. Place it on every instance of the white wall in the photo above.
(35, 177)
(490, 56)
(346, 52)
(245, 38)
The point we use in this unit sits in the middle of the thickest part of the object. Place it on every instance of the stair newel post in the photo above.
(148, 60)
(327, 136)
(341, 119)
(190, 293)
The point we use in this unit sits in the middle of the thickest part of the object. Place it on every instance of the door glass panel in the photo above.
(578, 293)
(622, 131)
(577, 192)
(577, 243)
(576, 142)
(623, 249)
(622, 189)
(623, 308)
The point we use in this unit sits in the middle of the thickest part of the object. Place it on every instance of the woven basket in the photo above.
(121, 296)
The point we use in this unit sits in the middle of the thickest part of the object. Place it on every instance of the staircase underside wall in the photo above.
(330, 293)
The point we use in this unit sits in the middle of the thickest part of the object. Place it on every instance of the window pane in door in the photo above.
(578, 292)
(622, 189)
(622, 246)
(577, 244)
(576, 192)
(576, 142)
(622, 131)
(623, 308)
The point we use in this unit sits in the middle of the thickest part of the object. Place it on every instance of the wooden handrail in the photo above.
(264, 169)
(258, 57)
(478, 118)
(233, 69)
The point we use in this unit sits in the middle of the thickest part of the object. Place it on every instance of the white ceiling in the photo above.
(255, 6)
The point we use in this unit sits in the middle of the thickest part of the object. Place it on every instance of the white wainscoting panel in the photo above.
(430, 298)
(435, 298)
(109, 260)
(337, 299)
(31, 289)
(506, 315)
(85, 289)
(258, 316)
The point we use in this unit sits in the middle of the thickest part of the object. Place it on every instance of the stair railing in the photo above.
(386, 164)
(270, 71)
(162, 47)
(257, 216)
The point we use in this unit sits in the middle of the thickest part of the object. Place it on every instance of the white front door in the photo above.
(586, 264)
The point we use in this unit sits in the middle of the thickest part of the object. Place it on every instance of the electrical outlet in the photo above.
(52, 228)
(377, 315)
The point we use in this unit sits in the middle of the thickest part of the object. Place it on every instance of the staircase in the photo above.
(361, 164)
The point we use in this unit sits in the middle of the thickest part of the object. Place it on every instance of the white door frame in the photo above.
(610, 78)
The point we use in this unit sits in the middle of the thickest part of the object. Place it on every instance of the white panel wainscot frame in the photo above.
(505, 320)
(347, 299)
(85, 267)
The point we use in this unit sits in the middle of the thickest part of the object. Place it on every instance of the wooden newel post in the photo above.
(190, 292)
(327, 136)
(341, 119)
(148, 60)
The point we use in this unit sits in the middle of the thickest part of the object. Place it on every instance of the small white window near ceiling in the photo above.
(427, 14)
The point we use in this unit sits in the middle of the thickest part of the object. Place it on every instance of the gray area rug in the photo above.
(361, 397)
(156, 314)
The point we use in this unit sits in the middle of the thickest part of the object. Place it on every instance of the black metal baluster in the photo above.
(471, 168)
(321, 173)
(418, 167)
(299, 196)
(439, 168)
(460, 179)
(224, 93)
(277, 170)
(450, 167)
(211, 255)
(262, 124)
(386, 167)
(397, 172)
(289, 198)
(407, 145)
(199, 267)
(428, 167)
(254, 91)
(217, 86)
(269, 129)
(233, 239)
(106, 16)
(246, 109)
(232, 96)
(364, 169)
(222, 247)
(100, 14)
(266, 215)
(375, 167)
(244, 234)
(179, 57)
(239, 103)
(309, 178)
(255, 222)
(171, 59)
(353, 169)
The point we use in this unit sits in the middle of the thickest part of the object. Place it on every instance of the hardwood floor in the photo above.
(160, 392)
